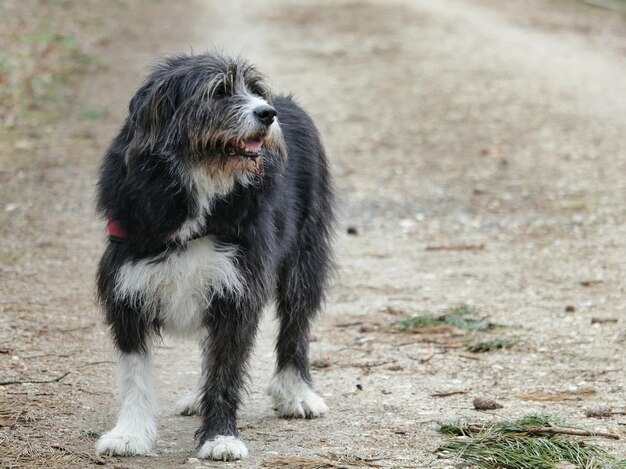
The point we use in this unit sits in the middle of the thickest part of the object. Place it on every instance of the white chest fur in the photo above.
(180, 288)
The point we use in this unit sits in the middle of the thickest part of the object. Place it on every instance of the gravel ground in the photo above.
(479, 153)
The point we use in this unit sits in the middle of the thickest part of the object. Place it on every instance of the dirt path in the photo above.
(448, 123)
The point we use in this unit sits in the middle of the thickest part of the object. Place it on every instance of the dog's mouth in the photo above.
(250, 148)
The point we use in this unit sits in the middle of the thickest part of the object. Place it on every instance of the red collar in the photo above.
(117, 233)
(116, 230)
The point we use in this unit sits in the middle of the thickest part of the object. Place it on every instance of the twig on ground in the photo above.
(469, 357)
(603, 320)
(102, 362)
(55, 380)
(590, 283)
(349, 324)
(443, 345)
(428, 357)
(29, 357)
(447, 393)
(549, 430)
(603, 412)
(455, 247)
(422, 330)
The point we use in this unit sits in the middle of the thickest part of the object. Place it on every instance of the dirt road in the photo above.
(493, 136)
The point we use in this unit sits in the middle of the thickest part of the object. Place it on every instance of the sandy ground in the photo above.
(449, 124)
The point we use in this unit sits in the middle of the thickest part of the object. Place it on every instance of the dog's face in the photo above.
(207, 109)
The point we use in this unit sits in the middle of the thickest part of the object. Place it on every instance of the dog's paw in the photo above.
(223, 448)
(121, 442)
(294, 398)
(188, 404)
(308, 405)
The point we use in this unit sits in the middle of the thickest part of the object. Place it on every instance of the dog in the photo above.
(219, 200)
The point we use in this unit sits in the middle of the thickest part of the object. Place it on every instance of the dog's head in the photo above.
(205, 109)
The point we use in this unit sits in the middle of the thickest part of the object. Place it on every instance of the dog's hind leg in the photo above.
(135, 430)
(190, 403)
(300, 293)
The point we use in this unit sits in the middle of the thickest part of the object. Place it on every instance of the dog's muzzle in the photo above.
(249, 148)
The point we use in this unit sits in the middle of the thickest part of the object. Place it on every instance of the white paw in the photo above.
(293, 397)
(223, 448)
(188, 404)
(121, 442)
(308, 405)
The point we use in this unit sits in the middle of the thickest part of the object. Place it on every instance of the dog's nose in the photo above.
(265, 114)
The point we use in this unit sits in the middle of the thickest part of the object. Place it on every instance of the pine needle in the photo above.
(328, 461)
(461, 317)
(490, 345)
(533, 442)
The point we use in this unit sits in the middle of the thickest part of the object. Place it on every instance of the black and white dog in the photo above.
(219, 200)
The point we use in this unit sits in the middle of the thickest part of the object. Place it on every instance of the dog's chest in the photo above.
(178, 290)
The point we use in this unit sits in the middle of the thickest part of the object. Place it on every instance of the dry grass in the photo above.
(22, 451)
(25, 439)
(11, 415)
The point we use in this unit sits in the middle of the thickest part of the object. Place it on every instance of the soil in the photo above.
(479, 153)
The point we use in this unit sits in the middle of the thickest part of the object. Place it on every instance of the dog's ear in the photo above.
(150, 110)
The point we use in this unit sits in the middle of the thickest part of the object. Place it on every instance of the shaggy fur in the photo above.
(225, 196)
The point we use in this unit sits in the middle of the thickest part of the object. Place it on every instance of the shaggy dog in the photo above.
(219, 199)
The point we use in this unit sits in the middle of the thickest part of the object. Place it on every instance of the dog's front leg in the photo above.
(232, 326)
(136, 428)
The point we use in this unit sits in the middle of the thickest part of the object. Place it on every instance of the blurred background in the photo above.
(479, 150)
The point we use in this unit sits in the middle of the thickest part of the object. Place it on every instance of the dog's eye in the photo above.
(219, 91)
(258, 90)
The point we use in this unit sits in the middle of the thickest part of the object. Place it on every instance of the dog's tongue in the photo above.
(253, 146)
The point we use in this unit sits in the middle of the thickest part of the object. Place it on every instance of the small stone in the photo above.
(481, 403)
(599, 413)
(407, 224)
(570, 309)
(359, 386)
(320, 363)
